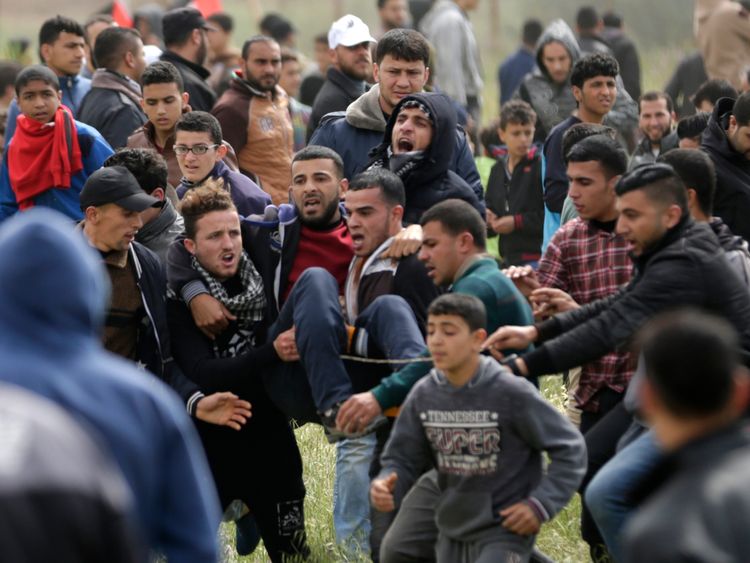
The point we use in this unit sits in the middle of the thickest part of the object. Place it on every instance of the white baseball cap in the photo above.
(349, 31)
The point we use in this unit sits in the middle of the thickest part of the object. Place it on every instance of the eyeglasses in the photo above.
(197, 150)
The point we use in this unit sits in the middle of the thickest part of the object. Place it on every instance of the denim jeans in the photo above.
(607, 493)
(351, 494)
(303, 389)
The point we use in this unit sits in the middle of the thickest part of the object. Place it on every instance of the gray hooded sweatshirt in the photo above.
(554, 102)
(486, 441)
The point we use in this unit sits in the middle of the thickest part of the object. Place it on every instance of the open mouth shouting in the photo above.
(405, 145)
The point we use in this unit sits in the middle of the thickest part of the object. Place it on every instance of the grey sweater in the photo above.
(486, 441)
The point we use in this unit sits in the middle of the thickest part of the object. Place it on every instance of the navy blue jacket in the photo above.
(431, 180)
(246, 195)
(52, 310)
(512, 72)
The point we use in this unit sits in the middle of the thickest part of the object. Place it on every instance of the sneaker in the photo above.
(333, 434)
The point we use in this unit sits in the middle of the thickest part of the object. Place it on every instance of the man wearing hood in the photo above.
(417, 146)
(548, 89)
(401, 68)
(113, 105)
(255, 120)
(727, 142)
(51, 346)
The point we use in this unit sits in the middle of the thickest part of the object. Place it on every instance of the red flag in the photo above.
(208, 7)
(121, 14)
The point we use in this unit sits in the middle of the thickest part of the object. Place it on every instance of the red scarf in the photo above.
(43, 156)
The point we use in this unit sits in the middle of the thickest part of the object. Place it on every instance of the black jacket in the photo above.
(686, 268)
(153, 347)
(113, 113)
(520, 196)
(643, 155)
(430, 181)
(626, 54)
(732, 199)
(685, 81)
(337, 92)
(202, 97)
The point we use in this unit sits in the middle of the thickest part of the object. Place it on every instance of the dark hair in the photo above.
(223, 20)
(711, 90)
(659, 182)
(277, 26)
(199, 201)
(580, 131)
(532, 31)
(516, 112)
(53, 27)
(488, 134)
(148, 167)
(255, 39)
(692, 125)
(655, 96)
(587, 18)
(680, 349)
(200, 122)
(600, 148)
(468, 307)
(612, 19)
(112, 44)
(591, 66)
(697, 172)
(404, 45)
(318, 152)
(741, 109)
(162, 72)
(8, 73)
(322, 38)
(36, 72)
(391, 187)
(456, 217)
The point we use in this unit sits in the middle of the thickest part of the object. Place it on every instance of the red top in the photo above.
(330, 249)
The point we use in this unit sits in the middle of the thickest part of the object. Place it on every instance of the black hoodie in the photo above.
(732, 199)
(429, 181)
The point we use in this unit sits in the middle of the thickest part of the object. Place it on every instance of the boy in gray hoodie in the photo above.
(484, 430)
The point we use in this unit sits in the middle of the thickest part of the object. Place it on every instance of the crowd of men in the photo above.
(215, 245)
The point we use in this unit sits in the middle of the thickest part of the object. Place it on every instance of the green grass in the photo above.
(559, 539)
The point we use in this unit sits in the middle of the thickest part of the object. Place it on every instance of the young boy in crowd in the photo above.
(514, 199)
(485, 432)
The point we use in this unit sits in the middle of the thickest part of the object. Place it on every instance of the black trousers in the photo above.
(601, 430)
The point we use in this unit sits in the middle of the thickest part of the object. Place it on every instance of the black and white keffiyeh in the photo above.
(249, 306)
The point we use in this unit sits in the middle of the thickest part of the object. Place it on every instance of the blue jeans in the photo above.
(351, 494)
(302, 390)
(607, 494)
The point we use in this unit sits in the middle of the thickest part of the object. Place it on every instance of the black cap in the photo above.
(115, 184)
(179, 20)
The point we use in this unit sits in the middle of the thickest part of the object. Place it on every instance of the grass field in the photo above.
(559, 539)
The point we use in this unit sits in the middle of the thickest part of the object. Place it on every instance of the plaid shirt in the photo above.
(590, 263)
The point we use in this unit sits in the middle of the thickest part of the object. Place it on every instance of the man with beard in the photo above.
(254, 117)
(727, 142)
(187, 48)
(349, 43)
(655, 118)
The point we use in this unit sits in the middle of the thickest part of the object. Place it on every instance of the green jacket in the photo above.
(505, 306)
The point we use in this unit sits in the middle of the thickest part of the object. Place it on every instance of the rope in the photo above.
(362, 360)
